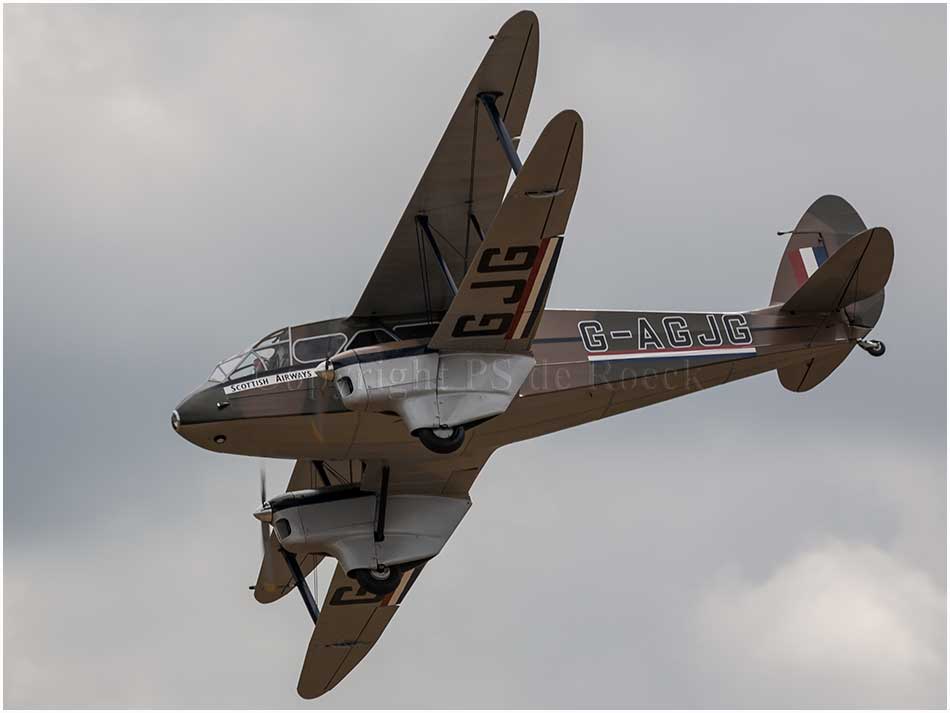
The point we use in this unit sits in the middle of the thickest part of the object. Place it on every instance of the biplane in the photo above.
(451, 353)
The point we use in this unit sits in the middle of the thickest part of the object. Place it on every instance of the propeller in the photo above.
(265, 527)
(264, 515)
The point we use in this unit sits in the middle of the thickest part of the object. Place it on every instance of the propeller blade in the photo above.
(267, 565)
(265, 534)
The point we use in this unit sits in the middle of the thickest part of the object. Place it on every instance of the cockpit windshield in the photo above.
(269, 354)
(275, 352)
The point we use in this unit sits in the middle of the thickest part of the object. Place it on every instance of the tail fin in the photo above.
(832, 262)
(857, 271)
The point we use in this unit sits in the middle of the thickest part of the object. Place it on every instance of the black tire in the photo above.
(442, 444)
(378, 581)
(876, 349)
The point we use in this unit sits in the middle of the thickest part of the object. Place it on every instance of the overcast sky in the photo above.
(180, 180)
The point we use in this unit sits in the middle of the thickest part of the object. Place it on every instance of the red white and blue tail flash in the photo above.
(806, 261)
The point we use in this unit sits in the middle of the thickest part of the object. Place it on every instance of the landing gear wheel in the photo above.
(442, 440)
(873, 347)
(378, 581)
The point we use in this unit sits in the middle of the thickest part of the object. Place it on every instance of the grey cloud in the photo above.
(179, 180)
(847, 625)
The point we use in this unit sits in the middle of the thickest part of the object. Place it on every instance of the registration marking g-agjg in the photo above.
(668, 337)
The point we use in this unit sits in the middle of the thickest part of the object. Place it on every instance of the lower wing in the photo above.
(351, 622)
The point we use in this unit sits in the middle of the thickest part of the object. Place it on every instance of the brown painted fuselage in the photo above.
(590, 364)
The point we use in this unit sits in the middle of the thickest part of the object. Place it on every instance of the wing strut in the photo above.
(379, 532)
(423, 221)
(488, 99)
(477, 226)
(302, 585)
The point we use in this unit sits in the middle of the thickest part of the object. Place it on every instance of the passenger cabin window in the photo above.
(422, 330)
(370, 338)
(315, 349)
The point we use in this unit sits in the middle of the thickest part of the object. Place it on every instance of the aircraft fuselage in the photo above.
(590, 364)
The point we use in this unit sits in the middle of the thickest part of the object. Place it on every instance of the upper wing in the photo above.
(466, 176)
(499, 304)
(350, 622)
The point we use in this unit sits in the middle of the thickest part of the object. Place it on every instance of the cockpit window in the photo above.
(262, 360)
(269, 354)
(313, 349)
(224, 368)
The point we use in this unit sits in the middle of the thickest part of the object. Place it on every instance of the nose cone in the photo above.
(264, 514)
(197, 413)
(200, 406)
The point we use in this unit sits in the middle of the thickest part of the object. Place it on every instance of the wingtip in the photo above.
(520, 22)
(563, 118)
(308, 695)
(570, 113)
(525, 16)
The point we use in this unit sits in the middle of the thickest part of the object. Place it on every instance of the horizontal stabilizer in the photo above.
(859, 269)
(808, 374)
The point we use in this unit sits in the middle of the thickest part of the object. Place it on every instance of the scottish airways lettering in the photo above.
(668, 336)
(270, 380)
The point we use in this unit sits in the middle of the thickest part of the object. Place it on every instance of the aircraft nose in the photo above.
(200, 418)
(196, 408)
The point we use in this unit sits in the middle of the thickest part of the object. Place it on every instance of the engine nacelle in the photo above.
(434, 390)
(340, 522)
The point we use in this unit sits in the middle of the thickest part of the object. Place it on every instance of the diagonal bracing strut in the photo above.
(302, 585)
(423, 221)
(507, 145)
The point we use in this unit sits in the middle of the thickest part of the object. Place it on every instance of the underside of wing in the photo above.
(463, 185)
(417, 506)
(500, 301)
(350, 623)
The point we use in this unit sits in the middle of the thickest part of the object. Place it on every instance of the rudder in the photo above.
(832, 262)
(826, 227)
(856, 272)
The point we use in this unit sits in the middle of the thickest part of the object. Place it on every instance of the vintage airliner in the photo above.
(451, 353)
